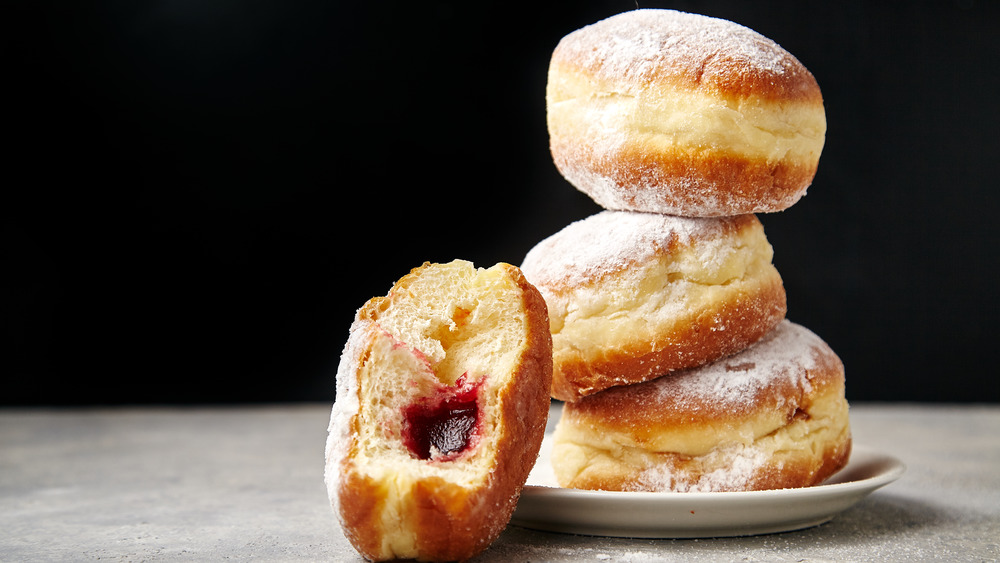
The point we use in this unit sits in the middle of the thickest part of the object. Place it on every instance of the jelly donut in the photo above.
(632, 296)
(772, 416)
(441, 405)
(668, 112)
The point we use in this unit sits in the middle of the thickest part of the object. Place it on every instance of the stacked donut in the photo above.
(672, 352)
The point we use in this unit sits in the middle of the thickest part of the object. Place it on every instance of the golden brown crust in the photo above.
(668, 112)
(665, 404)
(773, 416)
(706, 183)
(633, 296)
(747, 317)
(404, 512)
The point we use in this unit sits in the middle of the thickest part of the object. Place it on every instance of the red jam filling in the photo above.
(443, 426)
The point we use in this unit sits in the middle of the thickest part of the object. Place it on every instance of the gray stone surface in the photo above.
(245, 483)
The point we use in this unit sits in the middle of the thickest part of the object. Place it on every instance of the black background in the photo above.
(200, 194)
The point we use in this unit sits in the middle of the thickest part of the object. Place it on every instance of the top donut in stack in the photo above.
(669, 112)
(670, 343)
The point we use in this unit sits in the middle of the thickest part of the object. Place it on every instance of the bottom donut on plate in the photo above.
(772, 416)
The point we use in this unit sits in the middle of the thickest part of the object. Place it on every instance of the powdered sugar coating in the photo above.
(741, 463)
(610, 241)
(346, 406)
(785, 358)
(646, 44)
(650, 191)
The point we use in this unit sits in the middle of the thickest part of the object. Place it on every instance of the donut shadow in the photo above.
(883, 514)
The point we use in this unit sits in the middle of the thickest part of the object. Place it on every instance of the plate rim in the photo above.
(888, 469)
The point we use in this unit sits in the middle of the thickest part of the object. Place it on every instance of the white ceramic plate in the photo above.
(545, 506)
